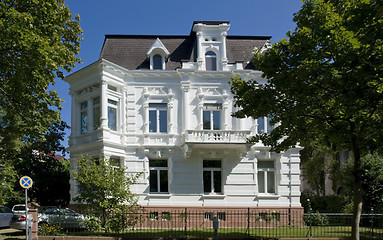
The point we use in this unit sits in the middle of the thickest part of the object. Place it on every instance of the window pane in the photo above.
(157, 62)
(113, 88)
(211, 163)
(266, 164)
(216, 120)
(96, 117)
(112, 118)
(207, 181)
(261, 125)
(163, 121)
(84, 122)
(153, 181)
(270, 182)
(158, 163)
(152, 121)
(269, 127)
(261, 182)
(206, 120)
(84, 105)
(217, 181)
(112, 102)
(158, 105)
(163, 180)
(211, 61)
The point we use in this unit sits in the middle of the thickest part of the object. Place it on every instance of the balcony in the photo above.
(216, 136)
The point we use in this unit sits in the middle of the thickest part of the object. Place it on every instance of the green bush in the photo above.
(316, 219)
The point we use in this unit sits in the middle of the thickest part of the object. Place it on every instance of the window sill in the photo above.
(159, 195)
(214, 196)
(268, 196)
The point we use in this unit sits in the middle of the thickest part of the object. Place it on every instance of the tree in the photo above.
(105, 188)
(323, 83)
(372, 181)
(39, 40)
(37, 159)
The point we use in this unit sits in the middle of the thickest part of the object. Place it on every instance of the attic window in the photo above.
(157, 62)
(211, 61)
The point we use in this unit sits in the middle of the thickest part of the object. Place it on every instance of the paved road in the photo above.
(11, 234)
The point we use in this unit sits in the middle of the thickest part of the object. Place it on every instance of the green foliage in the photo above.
(50, 230)
(39, 40)
(7, 178)
(325, 204)
(50, 176)
(318, 163)
(316, 219)
(105, 188)
(371, 181)
(324, 82)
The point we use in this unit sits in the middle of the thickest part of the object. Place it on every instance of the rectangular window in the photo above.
(264, 125)
(212, 176)
(158, 176)
(212, 116)
(158, 117)
(266, 177)
(96, 113)
(84, 117)
(112, 115)
(112, 88)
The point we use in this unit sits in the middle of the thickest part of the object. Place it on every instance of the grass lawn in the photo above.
(242, 233)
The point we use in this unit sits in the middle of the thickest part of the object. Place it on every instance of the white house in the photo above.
(161, 106)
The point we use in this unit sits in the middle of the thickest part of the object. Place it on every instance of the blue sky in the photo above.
(171, 17)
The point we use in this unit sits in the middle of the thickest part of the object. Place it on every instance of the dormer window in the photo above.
(157, 55)
(157, 62)
(211, 61)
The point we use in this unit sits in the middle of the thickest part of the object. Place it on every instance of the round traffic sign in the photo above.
(26, 182)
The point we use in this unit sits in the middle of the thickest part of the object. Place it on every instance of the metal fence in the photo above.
(226, 224)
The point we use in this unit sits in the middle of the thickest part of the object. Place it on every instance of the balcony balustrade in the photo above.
(216, 136)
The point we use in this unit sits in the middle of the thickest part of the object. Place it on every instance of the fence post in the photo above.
(186, 223)
(310, 210)
(248, 222)
(372, 222)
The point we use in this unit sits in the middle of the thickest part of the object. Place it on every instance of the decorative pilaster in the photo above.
(104, 105)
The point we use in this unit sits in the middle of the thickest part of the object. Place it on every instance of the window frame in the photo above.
(211, 61)
(212, 170)
(266, 171)
(159, 169)
(157, 59)
(157, 108)
(84, 118)
(214, 113)
(112, 104)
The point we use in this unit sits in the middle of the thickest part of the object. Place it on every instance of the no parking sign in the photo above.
(26, 182)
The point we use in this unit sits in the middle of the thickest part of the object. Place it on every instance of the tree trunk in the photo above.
(357, 211)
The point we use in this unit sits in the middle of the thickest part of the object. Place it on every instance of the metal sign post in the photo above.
(26, 182)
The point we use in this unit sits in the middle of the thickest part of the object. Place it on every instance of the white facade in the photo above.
(175, 127)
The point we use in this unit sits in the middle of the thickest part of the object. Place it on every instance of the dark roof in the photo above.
(129, 51)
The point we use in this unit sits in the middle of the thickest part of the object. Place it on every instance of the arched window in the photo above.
(211, 61)
(157, 62)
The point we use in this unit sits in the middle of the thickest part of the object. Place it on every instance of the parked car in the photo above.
(6, 215)
(19, 221)
(18, 208)
(63, 217)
